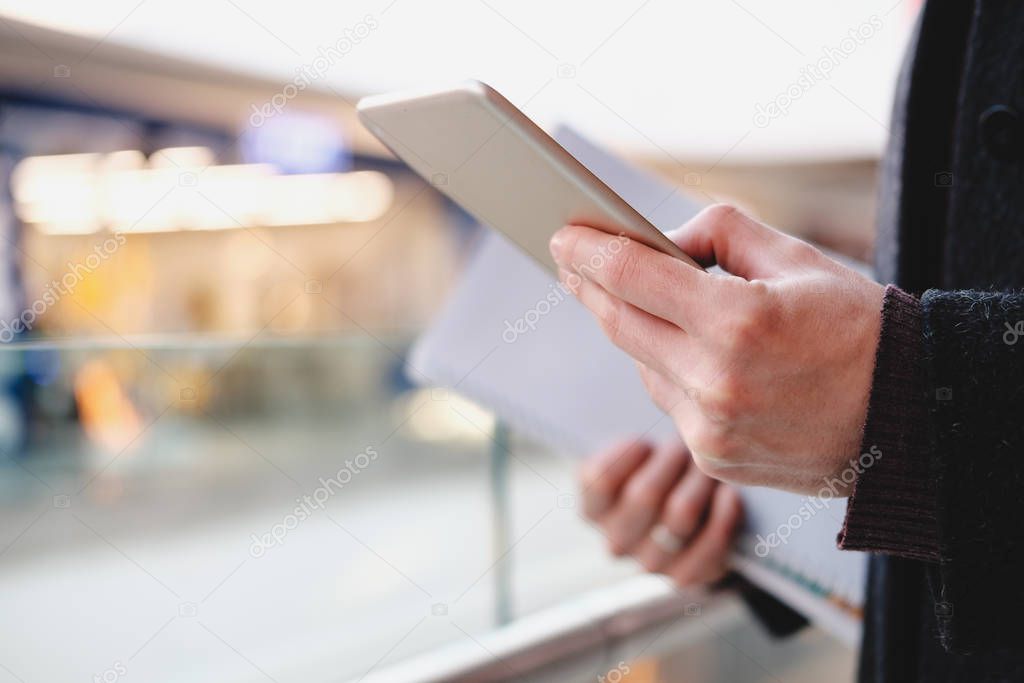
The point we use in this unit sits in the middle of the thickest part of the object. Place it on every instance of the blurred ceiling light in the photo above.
(322, 197)
(179, 189)
(38, 182)
(175, 157)
(125, 160)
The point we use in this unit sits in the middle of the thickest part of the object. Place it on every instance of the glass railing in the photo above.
(273, 505)
(193, 509)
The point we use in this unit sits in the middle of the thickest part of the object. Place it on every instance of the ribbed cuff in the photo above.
(893, 507)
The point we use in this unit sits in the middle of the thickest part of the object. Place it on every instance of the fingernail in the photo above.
(557, 246)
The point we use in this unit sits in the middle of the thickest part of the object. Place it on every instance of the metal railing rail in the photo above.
(582, 637)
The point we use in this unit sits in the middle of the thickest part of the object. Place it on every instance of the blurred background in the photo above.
(210, 275)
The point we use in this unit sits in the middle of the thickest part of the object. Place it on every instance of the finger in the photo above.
(683, 513)
(665, 393)
(706, 558)
(634, 272)
(658, 549)
(639, 506)
(688, 504)
(723, 235)
(650, 340)
(602, 475)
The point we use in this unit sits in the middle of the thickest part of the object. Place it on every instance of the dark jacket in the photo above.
(944, 509)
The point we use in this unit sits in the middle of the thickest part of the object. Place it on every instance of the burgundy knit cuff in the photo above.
(893, 507)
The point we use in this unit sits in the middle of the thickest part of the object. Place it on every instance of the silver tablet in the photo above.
(481, 151)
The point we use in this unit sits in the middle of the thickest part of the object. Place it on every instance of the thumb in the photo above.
(722, 235)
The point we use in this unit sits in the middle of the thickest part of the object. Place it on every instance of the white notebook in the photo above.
(511, 340)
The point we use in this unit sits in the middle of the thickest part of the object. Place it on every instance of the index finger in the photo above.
(662, 285)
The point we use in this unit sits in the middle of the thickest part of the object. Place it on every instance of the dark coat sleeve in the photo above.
(946, 413)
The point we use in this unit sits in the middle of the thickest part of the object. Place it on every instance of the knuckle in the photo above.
(623, 266)
(611, 320)
(801, 251)
(724, 215)
(684, 514)
(727, 402)
(641, 496)
(759, 293)
(744, 328)
(753, 320)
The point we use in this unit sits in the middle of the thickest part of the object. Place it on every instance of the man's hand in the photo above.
(766, 369)
(653, 504)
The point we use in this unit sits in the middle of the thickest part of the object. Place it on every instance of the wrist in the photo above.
(892, 507)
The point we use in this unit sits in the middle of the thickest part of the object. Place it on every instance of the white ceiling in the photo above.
(655, 77)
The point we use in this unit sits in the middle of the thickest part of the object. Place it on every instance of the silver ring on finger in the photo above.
(666, 540)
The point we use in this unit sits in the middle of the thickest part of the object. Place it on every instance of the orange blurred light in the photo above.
(108, 417)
